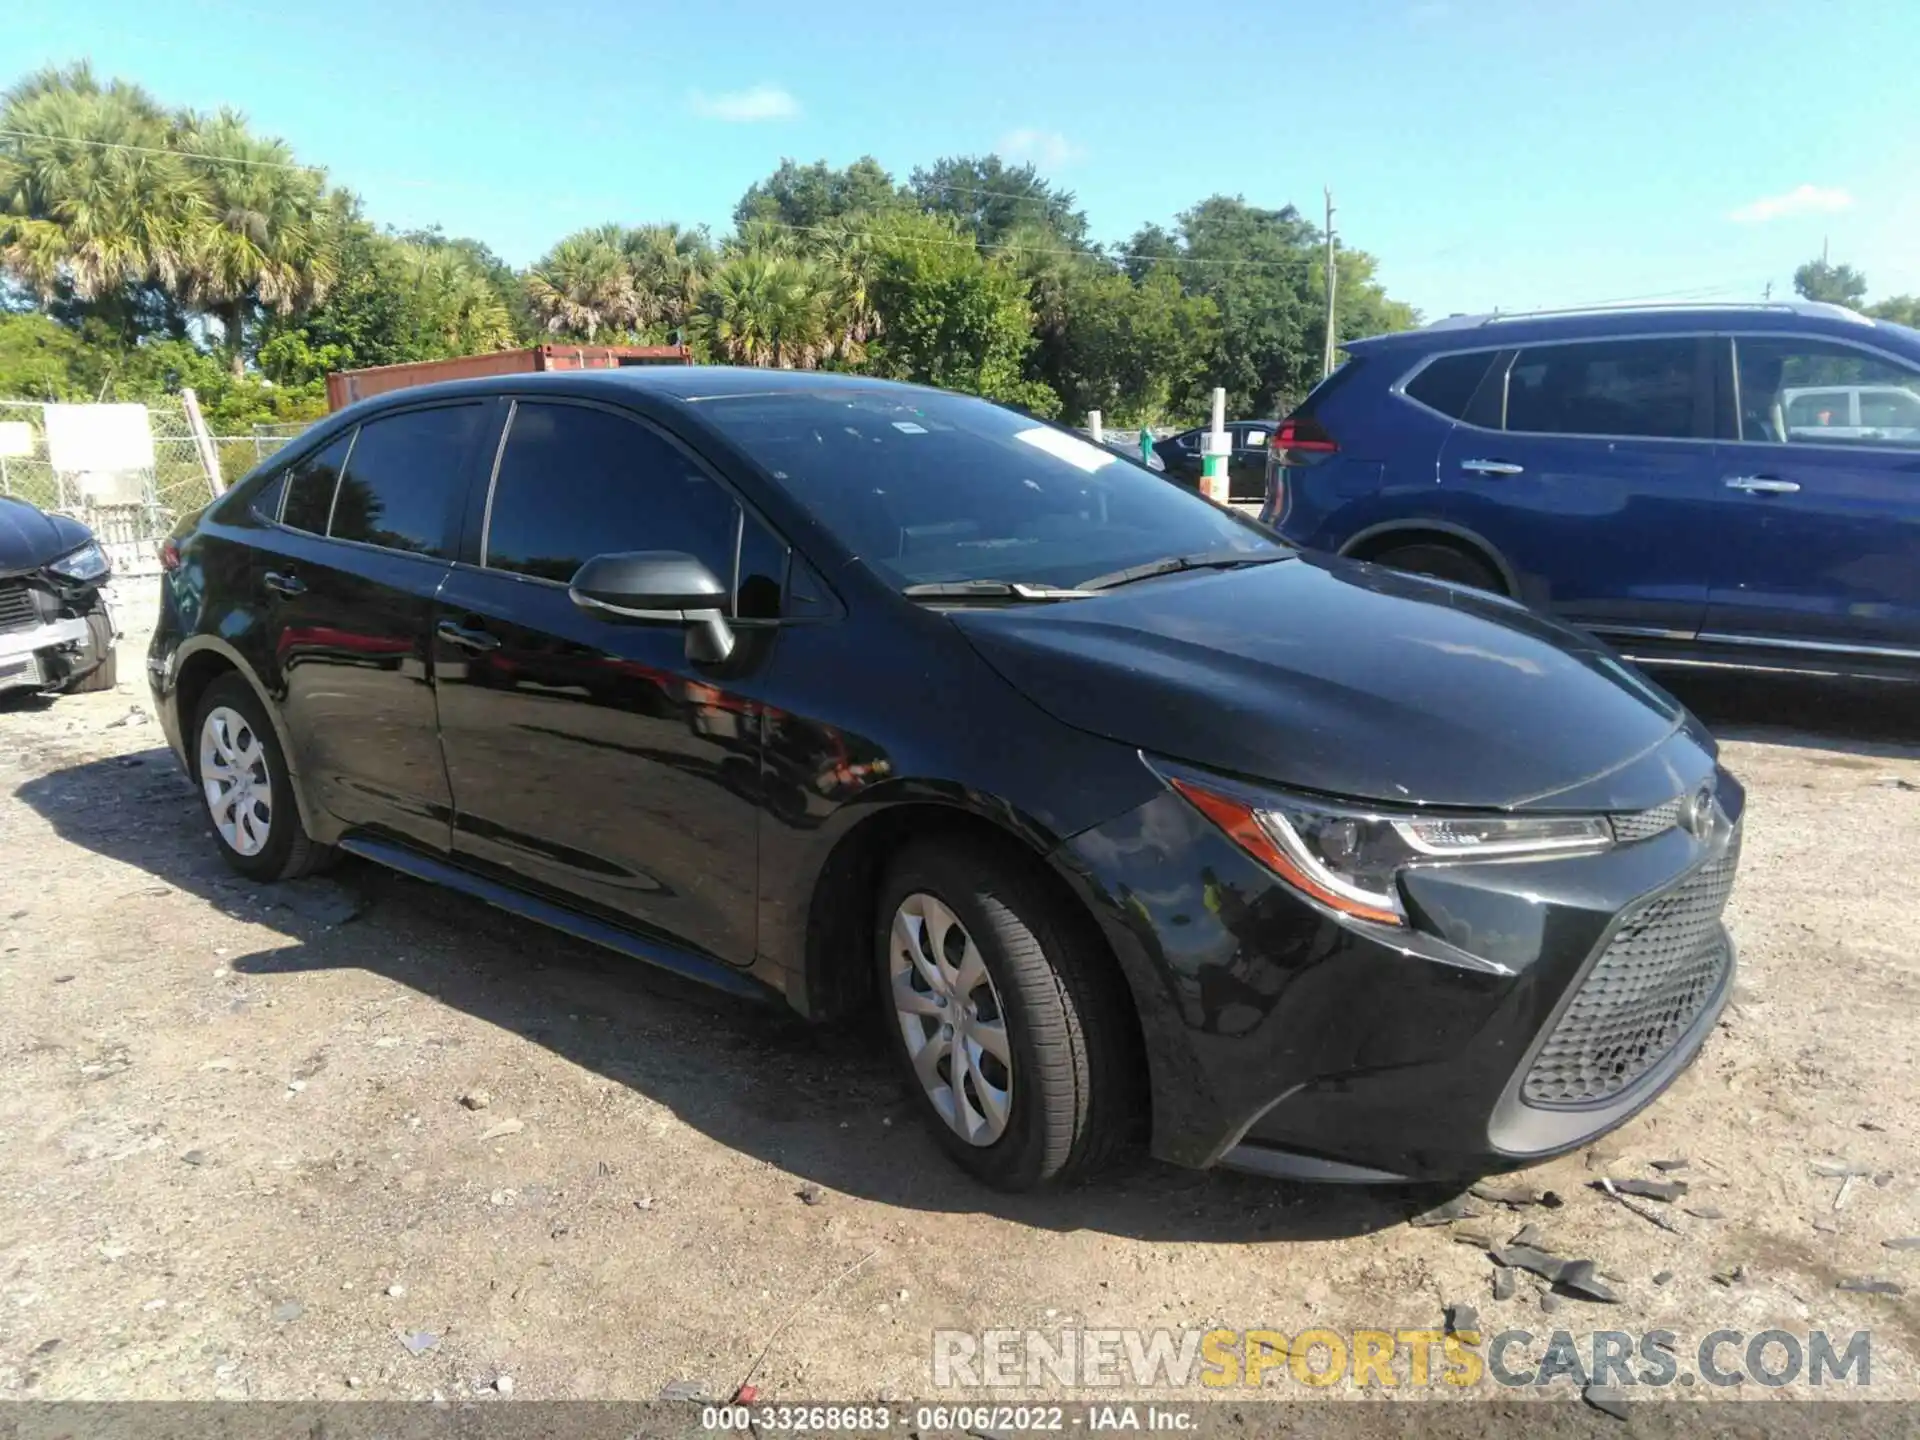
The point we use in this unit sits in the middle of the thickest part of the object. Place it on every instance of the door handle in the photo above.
(1492, 467)
(477, 641)
(282, 584)
(1762, 485)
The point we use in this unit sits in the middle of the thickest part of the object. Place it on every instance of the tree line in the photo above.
(144, 248)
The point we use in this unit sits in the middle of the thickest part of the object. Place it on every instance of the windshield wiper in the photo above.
(1207, 560)
(990, 590)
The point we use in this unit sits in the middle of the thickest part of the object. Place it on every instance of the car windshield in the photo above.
(930, 488)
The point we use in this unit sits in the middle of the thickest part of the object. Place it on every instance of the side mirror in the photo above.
(658, 587)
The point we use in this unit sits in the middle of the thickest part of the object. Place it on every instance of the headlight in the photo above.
(1349, 858)
(89, 562)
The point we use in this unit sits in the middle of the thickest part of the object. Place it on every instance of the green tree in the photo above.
(263, 241)
(807, 196)
(992, 199)
(584, 287)
(952, 317)
(1901, 309)
(1835, 284)
(765, 309)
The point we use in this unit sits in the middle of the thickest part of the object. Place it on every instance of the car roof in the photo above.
(674, 384)
(1499, 330)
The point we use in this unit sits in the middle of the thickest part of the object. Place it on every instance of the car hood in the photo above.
(1353, 680)
(29, 538)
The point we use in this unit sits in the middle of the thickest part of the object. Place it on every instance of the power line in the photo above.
(161, 150)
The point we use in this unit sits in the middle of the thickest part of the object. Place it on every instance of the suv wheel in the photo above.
(1443, 562)
(244, 782)
(1008, 1022)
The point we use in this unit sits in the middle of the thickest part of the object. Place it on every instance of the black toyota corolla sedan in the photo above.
(1129, 819)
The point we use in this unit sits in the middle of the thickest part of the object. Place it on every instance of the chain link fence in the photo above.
(130, 512)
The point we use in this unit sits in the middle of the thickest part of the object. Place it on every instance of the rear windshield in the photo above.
(928, 487)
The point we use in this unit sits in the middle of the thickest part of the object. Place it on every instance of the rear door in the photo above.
(1820, 547)
(346, 583)
(589, 758)
(1594, 481)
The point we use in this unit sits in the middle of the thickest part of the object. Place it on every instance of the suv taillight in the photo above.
(1302, 440)
(169, 554)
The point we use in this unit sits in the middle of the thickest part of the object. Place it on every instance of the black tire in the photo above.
(105, 673)
(1069, 1029)
(1443, 562)
(289, 850)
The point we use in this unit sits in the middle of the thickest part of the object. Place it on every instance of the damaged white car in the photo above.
(56, 631)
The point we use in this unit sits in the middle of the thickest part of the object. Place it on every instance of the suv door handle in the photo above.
(1492, 467)
(1762, 485)
(282, 584)
(467, 638)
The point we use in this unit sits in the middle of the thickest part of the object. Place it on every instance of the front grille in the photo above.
(1646, 824)
(17, 610)
(1650, 984)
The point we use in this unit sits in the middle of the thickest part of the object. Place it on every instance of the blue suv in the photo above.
(1734, 484)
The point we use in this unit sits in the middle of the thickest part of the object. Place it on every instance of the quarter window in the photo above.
(576, 482)
(310, 485)
(1821, 392)
(1612, 387)
(401, 480)
(1448, 383)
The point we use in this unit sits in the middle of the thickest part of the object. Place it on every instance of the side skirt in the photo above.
(557, 917)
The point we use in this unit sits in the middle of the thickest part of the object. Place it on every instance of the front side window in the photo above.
(576, 482)
(310, 485)
(401, 480)
(930, 488)
(1646, 388)
(1821, 392)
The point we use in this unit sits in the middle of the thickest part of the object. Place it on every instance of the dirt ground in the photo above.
(235, 1159)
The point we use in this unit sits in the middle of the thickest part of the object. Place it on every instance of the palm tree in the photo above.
(264, 243)
(762, 309)
(464, 313)
(584, 286)
(849, 254)
(670, 266)
(93, 203)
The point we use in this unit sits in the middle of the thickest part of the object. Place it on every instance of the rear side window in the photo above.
(576, 482)
(398, 489)
(310, 485)
(1612, 387)
(1448, 383)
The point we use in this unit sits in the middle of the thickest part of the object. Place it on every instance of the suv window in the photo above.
(576, 482)
(310, 484)
(1808, 392)
(1606, 387)
(1448, 383)
(400, 483)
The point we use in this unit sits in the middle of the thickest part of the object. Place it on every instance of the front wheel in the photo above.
(246, 787)
(1009, 1020)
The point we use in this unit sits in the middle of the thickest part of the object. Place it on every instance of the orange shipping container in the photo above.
(346, 386)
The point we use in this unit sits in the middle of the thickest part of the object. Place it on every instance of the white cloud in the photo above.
(1801, 200)
(760, 102)
(1046, 148)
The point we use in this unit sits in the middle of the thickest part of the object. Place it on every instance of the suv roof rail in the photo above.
(1792, 307)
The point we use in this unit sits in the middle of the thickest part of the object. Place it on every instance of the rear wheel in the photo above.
(1008, 1020)
(246, 788)
(1443, 562)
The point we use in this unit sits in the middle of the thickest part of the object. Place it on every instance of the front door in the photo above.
(1821, 545)
(590, 758)
(1247, 469)
(346, 582)
(1597, 488)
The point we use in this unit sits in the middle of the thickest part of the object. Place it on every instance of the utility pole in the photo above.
(1767, 294)
(1326, 359)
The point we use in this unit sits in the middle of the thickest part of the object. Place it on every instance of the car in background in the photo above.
(56, 630)
(1246, 466)
(1724, 484)
(1851, 412)
(846, 695)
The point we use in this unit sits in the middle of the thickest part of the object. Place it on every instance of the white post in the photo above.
(1099, 430)
(202, 441)
(1215, 449)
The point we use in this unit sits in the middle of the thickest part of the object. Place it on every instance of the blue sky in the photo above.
(1509, 153)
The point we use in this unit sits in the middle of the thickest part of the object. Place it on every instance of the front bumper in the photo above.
(1528, 1007)
(28, 657)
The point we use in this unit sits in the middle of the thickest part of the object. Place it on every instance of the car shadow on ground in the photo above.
(821, 1102)
(1869, 719)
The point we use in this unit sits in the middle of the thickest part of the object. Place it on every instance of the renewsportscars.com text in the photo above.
(1360, 1359)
